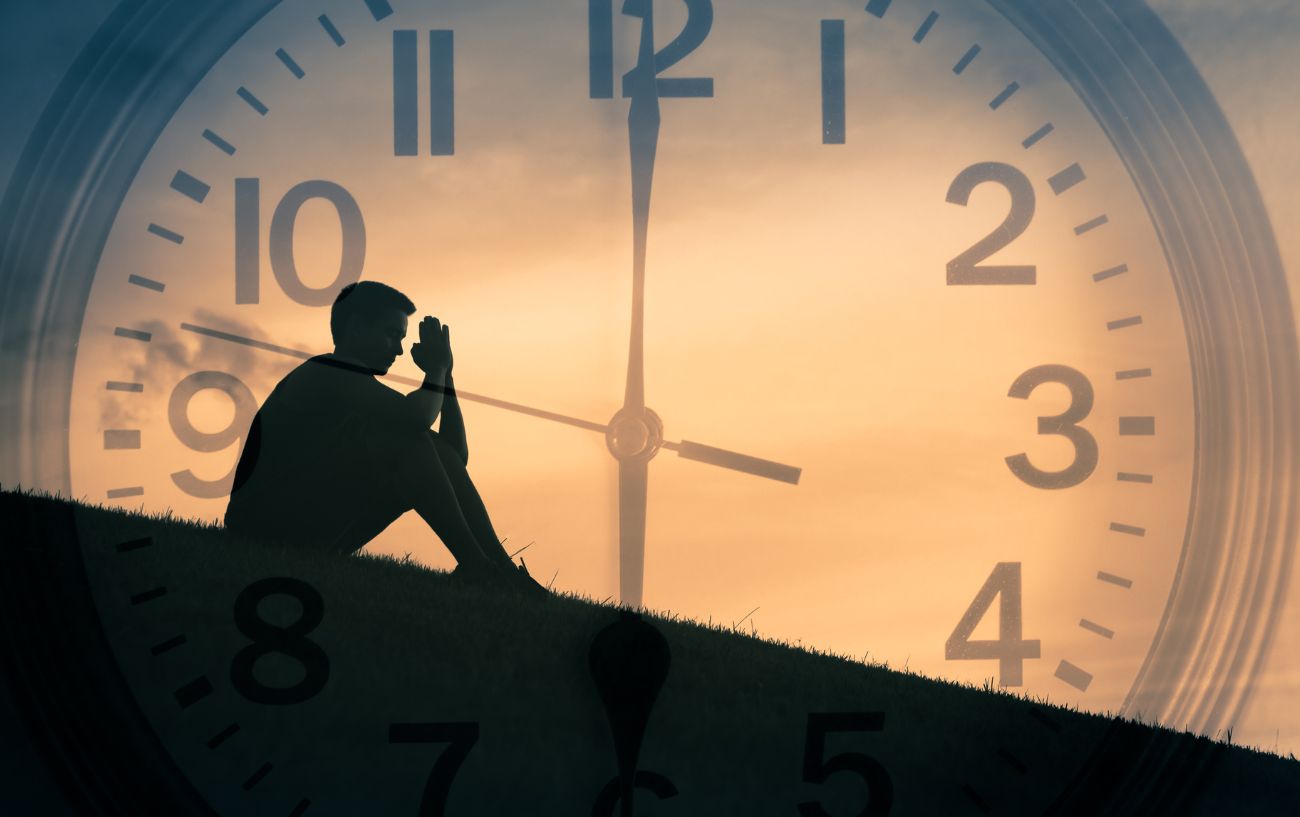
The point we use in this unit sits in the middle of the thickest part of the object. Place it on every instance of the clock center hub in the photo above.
(635, 434)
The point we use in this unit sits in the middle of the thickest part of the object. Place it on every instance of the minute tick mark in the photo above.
(253, 102)
(930, 20)
(1111, 578)
(1089, 226)
(133, 334)
(193, 692)
(289, 63)
(1126, 476)
(146, 283)
(257, 776)
(1037, 136)
(1093, 627)
(1132, 374)
(166, 234)
(1110, 273)
(1131, 530)
(221, 144)
(966, 60)
(1006, 94)
(166, 646)
(333, 32)
(222, 736)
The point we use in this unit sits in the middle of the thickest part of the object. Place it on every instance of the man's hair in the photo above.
(365, 300)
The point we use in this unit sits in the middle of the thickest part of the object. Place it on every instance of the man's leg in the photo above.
(385, 474)
(410, 470)
(470, 503)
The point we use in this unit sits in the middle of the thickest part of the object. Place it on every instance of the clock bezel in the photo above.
(102, 122)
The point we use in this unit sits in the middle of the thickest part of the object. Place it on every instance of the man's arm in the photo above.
(428, 400)
(452, 430)
(433, 355)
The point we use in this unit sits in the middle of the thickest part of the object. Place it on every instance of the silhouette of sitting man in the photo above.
(334, 456)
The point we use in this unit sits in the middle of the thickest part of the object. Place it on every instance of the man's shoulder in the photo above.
(327, 369)
(326, 377)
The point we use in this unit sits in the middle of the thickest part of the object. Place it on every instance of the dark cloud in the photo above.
(174, 353)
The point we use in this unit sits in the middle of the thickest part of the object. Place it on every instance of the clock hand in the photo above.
(634, 423)
(736, 462)
(629, 662)
(643, 140)
(632, 490)
(686, 449)
(231, 337)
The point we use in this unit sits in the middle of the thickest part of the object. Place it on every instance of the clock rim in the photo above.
(56, 215)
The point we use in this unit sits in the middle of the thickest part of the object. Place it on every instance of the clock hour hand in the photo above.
(736, 462)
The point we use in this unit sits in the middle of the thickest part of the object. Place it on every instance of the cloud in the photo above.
(173, 353)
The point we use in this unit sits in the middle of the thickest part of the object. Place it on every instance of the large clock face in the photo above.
(957, 334)
(890, 248)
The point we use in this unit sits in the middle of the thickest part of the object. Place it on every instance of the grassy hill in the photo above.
(735, 729)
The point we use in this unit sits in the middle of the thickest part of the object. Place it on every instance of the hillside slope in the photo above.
(314, 658)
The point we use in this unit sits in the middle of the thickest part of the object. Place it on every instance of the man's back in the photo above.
(304, 438)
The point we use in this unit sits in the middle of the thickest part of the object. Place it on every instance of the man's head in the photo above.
(368, 322)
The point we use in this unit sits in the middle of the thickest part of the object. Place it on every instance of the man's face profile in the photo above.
(374, 340)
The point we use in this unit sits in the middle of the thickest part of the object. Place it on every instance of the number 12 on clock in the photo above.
(600, 32)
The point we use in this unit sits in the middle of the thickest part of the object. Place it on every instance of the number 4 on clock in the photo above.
(1009, 649)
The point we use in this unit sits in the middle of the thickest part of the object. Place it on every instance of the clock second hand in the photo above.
(685, 449)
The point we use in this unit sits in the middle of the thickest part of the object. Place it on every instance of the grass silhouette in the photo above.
(406, 644)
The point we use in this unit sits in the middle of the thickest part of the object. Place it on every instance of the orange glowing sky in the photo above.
(796, 310)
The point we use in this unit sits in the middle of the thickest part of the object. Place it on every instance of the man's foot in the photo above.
(525, 583)
(503, 575)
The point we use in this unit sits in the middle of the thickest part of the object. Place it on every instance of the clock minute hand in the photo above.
(633, 466)
(643, 140)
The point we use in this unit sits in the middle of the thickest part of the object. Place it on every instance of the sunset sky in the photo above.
(796, 311)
